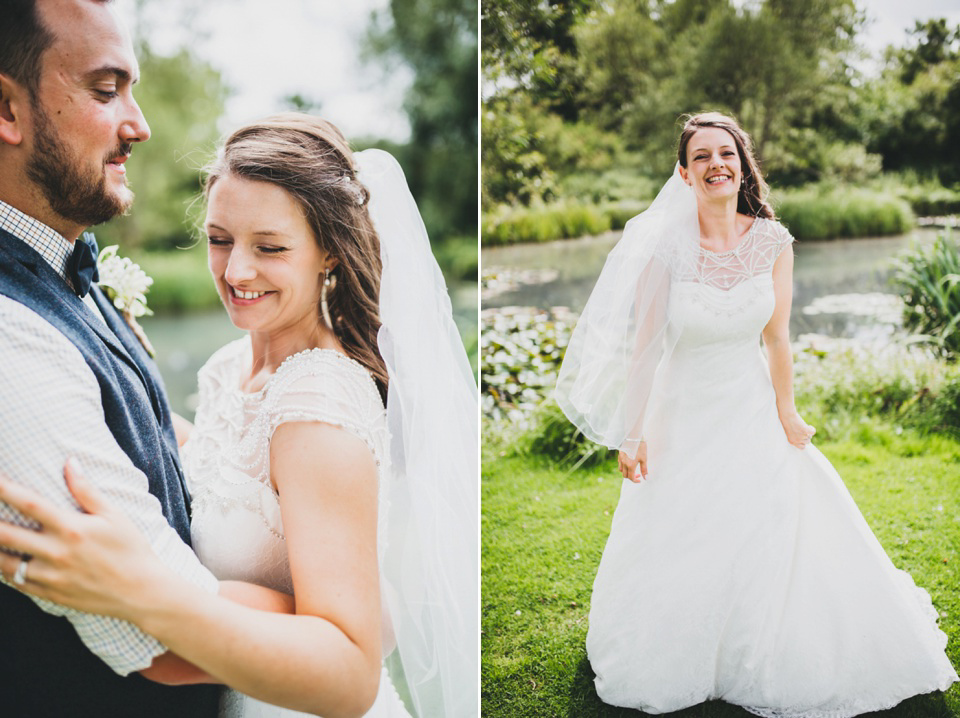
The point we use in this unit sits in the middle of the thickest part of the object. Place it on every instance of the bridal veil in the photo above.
(621, 338)
(431, 564)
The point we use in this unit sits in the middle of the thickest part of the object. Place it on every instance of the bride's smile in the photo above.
(265, 261)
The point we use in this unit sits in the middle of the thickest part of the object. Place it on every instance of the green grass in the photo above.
(544, 528)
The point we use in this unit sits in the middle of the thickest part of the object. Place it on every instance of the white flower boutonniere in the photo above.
(126, 285)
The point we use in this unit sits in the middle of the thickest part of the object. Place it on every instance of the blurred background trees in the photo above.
(183, 97)
(583, 96)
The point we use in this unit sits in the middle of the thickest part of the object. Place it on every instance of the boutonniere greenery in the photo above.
(126, 285)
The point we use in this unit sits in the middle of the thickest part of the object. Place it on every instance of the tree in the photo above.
(912, 109)
(438, 40)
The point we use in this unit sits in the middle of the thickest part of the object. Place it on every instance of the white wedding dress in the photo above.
(236, 525)
(741, 569)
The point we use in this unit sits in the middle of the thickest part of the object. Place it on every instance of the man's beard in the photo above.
(75, 195)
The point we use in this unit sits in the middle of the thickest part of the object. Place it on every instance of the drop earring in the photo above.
(329, 283)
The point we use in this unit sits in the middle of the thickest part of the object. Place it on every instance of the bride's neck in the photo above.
(719, 223)
(271, 348)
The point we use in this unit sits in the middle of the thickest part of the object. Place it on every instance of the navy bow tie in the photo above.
(82, 265)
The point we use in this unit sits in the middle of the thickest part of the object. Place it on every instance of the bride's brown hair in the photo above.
(752, 198)
(311, 160)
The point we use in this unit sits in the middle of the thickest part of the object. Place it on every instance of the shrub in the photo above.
(555, 440)
(931, 200)
(929, 280)
(181, 281)
(944, 413)
(543, 223)
(830, 212)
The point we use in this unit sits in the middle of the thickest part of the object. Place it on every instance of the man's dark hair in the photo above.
(23, 40)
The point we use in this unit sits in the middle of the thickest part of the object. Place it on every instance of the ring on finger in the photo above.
(20, 575)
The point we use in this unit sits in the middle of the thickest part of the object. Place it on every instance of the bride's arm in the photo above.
(181, 427)
(326, 659)
(172, 670)
(776, 339)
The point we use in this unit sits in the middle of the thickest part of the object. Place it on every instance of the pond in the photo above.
(185, 342)
(841, 287)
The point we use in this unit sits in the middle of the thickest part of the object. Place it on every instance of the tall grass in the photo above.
(929, 280)
(824, 211)
(543, 223)
(832, 212)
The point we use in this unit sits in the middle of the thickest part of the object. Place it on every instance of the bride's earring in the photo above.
(329, 283)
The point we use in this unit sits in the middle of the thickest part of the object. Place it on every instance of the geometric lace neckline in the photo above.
(743, 240)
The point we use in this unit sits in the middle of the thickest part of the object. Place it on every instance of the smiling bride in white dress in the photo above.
(738, 567)
(333, 460)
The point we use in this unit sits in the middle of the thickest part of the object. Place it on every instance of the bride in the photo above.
(333, 458)
(738, 567)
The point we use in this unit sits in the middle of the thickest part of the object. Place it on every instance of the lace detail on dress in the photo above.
(228, 455)
(754, 256)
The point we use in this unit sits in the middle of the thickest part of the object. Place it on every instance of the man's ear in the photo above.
(14, 100)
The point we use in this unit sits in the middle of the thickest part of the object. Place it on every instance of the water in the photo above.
(851, 277)
(185, 342)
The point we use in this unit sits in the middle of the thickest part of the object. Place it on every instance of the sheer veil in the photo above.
(430, 566)
(622, 336)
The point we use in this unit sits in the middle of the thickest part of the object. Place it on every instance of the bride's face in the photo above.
(713, 165)
(266, 264)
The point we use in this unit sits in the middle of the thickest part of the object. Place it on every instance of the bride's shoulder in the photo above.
(327, 386)
(324, 377)
(773, 232)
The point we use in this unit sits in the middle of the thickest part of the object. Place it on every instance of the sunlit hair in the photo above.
(311, 160)
(752, 197)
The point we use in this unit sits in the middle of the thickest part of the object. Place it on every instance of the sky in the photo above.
(888, 20)
(266, 51)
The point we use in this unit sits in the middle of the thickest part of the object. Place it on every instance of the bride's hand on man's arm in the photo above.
(799, 433)
(633, 468)
(99, 562)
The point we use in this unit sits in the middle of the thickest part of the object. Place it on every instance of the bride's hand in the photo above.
(628, 466)
(97, 562)
(799, 433)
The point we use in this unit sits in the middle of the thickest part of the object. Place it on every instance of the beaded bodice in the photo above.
(237, 527)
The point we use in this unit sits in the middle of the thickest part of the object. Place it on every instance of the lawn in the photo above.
(544, 529)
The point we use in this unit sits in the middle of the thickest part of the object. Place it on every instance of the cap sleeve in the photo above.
(784, 238)
(326, 386)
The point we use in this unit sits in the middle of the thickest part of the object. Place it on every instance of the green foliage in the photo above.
(438, 40)
(554, 440)
(544, 223)
(804, 154)
(912, 111)
(931, 199)
(829, 212)
(838, 390)
(181, 280)
(929, 279)
(458, 258)
(521, 352)
(182, 98)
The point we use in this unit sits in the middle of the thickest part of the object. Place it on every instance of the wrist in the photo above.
(787, 409)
